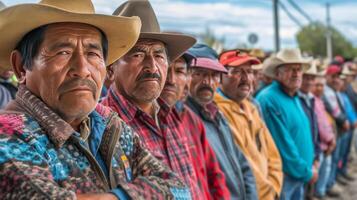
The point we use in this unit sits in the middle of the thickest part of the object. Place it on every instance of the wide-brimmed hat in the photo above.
(235, 59)
(258, 53)
(313, 70)
(208, 63)
(203, 51)
(285, 56)
(176, 43)
(16, 21)
(347, 71)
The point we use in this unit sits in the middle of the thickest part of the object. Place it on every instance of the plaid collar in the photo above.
(129, 110)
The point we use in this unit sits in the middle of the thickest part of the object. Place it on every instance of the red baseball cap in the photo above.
(333, 69)
(208, 63)
(235, 59)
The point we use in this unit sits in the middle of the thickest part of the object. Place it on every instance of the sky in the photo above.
(235, 20)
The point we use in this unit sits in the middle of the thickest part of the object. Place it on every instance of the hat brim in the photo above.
(270, 65)
(121, 32)
(176, 44)
(239, 62)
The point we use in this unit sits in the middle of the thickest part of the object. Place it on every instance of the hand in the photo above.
(102, 196)
(315, 175)
(331, 146)
(317, 164)
(346, 126)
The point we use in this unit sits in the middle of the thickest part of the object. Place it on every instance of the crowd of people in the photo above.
(110, 107)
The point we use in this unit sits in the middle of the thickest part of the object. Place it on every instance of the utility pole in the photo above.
(276, 24)
(328, 33)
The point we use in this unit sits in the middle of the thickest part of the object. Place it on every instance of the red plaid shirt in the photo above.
(167, 143)
(211, 178)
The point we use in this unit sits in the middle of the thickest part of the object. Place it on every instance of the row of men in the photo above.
(172, 123)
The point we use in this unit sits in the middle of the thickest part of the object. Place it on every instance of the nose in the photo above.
(207, 79)
(150, 65)
(79, 66)
(170, 75)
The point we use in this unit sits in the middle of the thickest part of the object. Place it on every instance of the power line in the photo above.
(301, 11)
(291, 16)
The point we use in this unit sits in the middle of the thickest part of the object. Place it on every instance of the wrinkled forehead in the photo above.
(290, 65)
(69, 29)
(148, 44)
(179, 63)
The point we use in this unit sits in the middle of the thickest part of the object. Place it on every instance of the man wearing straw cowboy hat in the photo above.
(287, 121)
(308, 103)
(138, 79)
(56, 141)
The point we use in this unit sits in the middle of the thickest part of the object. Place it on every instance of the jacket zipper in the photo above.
(96, 167)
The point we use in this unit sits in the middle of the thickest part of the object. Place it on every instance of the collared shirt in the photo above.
(166, 141)
(42, 157)
(326, 130)
(239, 176)
(5, 96)
(210, 176)
(308, 104)
(334, 106)
(290, 128)
(254, 139)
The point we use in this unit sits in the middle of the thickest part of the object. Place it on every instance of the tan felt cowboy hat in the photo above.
(285, 56)
(176, 43)
(16, 21)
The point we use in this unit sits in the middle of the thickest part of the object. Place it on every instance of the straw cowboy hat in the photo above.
(176, 43)
(347, 71)
(314, 69)
(258, 53)
(285, 56)
(15, 21)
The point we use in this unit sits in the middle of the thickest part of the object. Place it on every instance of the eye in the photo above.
(63, 53)
(180, 71)
(138, 55)
(92, 53)
(160, 56)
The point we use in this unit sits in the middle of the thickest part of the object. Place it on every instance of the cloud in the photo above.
(235, 20)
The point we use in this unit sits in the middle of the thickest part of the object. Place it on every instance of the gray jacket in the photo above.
(239, 176)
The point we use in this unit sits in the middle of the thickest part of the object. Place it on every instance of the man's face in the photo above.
(290, 76)
(69, 69)
(334, 81)
(238, 83)
(140, 75)
(204, 83)
(6, 74)
(308, 83)
(349, 78)
(175, 82)
(318, 89)
(258, 76)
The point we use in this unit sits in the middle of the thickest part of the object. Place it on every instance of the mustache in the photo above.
(171, 86)
(205, 87)
(146, 75)
(78, 82)
(244, 84)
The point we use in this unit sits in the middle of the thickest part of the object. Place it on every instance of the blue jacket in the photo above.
(350, 111)
(290, 129)
(239, 176)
